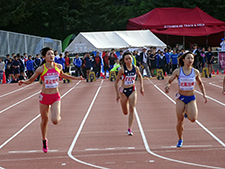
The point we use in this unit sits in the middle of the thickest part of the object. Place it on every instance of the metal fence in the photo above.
(11, 42)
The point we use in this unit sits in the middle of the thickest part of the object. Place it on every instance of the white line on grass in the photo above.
(79, 131)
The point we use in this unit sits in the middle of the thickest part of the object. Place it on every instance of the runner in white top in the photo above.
(185, 98)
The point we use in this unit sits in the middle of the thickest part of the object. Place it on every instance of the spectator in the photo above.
(10, 70)
(88, 65)
(7, 70)
(111, 60)
(25, 58)
(114, 54)
(56, 55)
(138, 59)
(121, 55)
(61, 61)
(168, 64)
(161, 62)
(153, 62)
(144, 63)
(37, 63)
(202, 53)
(97, 65)
(22, 67)
(30, 67)
(117, 66)
(67, 62)
(84, 66)
(197, 57)
(222, 44)
(209, 58)
(174, 61)
(77, 62)
(16, 68)
(2, 69)
(106, 62)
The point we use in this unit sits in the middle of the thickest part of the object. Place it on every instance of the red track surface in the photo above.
(92, 133)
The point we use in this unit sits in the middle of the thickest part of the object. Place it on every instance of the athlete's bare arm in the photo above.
(174, 75)
(140, 79)
(200, 84)
(33, 77)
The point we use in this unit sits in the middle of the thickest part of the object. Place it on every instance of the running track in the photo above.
(92, 133)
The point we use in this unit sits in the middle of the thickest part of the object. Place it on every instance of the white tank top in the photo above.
(186, 82)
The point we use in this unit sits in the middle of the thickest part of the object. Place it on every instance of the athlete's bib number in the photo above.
(51, 81)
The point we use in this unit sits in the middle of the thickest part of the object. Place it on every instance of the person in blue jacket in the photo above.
(30, 66)
(77, 62)
(174, 60)
(61, 61)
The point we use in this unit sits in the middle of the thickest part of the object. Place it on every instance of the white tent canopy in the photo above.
(99, 41)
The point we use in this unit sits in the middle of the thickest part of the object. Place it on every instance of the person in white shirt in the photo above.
(144, 63)
(222, 44)
(186, 105)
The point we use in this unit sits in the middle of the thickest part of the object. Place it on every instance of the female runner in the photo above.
(127, 92)
(49, 73)
(185, 98)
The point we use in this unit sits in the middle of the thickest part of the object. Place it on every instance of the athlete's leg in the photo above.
(192, 111)
(55, 112)
(124, 103)
(44, 110)
(132, 104)
(180, 106)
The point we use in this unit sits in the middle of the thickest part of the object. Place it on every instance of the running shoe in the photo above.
(129, 132)
(45, 145)
(180, 143)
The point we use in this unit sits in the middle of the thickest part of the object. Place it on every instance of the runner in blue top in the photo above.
(127, 92)
(185, 98)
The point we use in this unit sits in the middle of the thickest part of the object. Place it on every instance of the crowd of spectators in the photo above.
(19, 66)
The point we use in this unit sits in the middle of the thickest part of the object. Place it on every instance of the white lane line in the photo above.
(216, 85)
(29, 151)
(209, 132)
(19, 102)
(112, 148)
(159, 156)
(16, 90)
(212, 98)
(189, 146)
(2, 168)
(79, 131)
(146, 142)
(23, 128)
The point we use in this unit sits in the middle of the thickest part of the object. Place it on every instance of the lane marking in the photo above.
(23, 128)
(19, 102)
(113, 148)
(79, 131)
(203, 127)
(212, 98)
(187, 146)
(216, 85)
(29, 151)
(16, 90)
(146, 142)
(159, 156)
